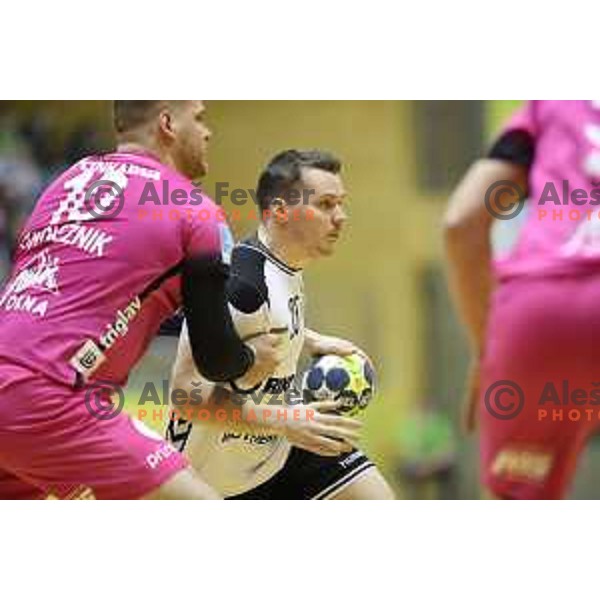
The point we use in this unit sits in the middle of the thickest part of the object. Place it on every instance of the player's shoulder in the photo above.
(247, 287)
(246, 257)
(253, 251)
(162, 184)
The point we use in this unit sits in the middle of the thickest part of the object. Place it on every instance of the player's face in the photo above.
(190, 149)
(317, 222)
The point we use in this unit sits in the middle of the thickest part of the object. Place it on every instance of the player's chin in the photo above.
(202, 169)
(327, 249)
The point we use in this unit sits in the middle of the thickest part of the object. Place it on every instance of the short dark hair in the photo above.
(285, 170)
(129, 114)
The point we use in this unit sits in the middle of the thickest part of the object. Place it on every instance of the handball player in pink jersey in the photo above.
(531, 310)
(114, 246)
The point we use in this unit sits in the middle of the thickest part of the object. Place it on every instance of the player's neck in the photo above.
(282, 248)
(148, 150)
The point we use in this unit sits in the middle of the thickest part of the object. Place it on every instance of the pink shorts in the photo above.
(540, 384)
(51, 445)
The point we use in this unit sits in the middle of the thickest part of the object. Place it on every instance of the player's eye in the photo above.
(327, 204)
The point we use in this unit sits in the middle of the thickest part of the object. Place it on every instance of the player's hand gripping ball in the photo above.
(350, 379)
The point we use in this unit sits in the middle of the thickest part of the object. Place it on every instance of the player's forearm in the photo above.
(467, 227)
(197, 400)
(470, 280)
(217, 350)
(311, 340)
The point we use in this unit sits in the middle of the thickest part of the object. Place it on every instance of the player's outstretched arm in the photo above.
(310, 427)
(185, 371)
(316, 428)
(218, 352)
(319, 344)
(467, 225)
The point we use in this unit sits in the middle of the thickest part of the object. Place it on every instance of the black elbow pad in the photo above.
(219, 353)
(517, 147)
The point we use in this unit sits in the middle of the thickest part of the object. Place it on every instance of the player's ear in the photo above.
(279, 209)
(165, 124)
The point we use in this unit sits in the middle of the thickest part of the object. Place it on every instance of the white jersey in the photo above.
(264, 294)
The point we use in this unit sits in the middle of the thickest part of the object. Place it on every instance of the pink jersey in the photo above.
(561, 230)
(90, 288)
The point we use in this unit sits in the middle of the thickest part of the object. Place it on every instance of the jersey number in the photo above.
(294, 305)
(73, 206)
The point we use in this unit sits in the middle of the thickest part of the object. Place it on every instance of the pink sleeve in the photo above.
(206, 231)
(525, 119)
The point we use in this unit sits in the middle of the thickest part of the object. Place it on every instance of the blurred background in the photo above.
(384, 289)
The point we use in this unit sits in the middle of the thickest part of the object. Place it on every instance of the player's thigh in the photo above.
(13, 488)
(528, 446)
(51, 439)
(370, 485)
(530, 467)
(184, 485)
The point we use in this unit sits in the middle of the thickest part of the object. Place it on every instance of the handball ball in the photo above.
(347, 378)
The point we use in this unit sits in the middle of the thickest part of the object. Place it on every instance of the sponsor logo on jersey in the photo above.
(91, 355)
(120, 326)
(522, 465)
(89, 239)
(154, 459)
(346, 462)
(278, 385)
(87, 359)
(115, 167)
(41, 276)
(247, 438)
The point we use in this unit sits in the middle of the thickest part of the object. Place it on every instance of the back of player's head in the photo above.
(131, 114)
(285, 170)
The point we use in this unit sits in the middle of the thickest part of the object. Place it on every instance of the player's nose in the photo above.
(340, 216)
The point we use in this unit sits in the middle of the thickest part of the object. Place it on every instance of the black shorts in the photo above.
(308, 476)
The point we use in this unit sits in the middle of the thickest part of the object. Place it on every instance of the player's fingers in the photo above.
(470, 403)
(324, 406)
(362, 353)
(316, 448)
(339, 434)
(343, 434)
(323, 442)
(348, 435)
(344, 445)
(339, 421)
(344, 348)
(469, 417)
(318, 445)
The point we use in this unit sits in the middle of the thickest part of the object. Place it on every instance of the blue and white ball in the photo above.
(350, 379)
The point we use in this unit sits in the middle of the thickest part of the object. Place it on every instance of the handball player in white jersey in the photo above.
(276, 447)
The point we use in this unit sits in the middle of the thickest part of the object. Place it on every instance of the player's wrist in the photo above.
(244, 388)
(284, 424)
(311, 341)
(241, 383)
